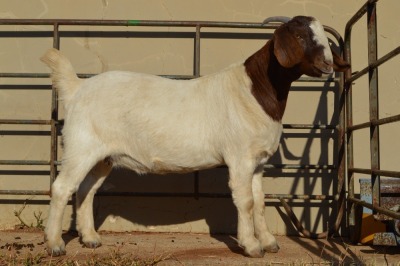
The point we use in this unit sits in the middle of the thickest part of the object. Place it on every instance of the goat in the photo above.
(156, 125)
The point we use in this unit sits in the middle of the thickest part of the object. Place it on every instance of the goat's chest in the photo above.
(268, 138)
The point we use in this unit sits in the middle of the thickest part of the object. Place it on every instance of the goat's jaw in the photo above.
(325, 67)
(326, 70)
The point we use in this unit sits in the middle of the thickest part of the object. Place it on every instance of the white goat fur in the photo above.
(152, 124)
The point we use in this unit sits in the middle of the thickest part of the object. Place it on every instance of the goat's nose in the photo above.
(327, 67)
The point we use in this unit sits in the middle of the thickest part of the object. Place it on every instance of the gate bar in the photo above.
(375, 172)
(395, 215)
(373, 102)
(373, 122)
(375, 64)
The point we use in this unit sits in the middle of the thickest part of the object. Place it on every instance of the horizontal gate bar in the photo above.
(298, 166)
(374, 65)
(300, 197)
(25, 192)
(378, 122)
(24, 122)
(375, 172)
(83, 75)
(173, 194)
(48, 122)
(266, 166)
(308, 126)
(395, 215)
(24, 162)
(88, 22)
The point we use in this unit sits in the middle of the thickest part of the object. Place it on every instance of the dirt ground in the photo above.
(203, 249)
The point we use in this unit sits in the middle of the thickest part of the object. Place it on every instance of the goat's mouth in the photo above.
(324, 69)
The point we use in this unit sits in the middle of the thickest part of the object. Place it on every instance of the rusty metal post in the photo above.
(373, 102)
(54, 116)
(196, 73)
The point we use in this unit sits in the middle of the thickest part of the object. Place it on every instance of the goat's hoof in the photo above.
(92, 244)
(272, 248)
(91, 240)
(56, 251)
(55, 248)
(255, 253)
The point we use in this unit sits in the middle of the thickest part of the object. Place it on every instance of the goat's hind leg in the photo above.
(268, 241)
(72, 173)
(84, 204)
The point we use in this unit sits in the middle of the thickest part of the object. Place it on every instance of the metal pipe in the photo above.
(377, 122)
(347, 98)
(24, 122)
(308, 126)
(375, 172)
(373, 101)
(395, 215)
(54, 115)
(375, 64)
(25, 192)
(299, 197)
(299, 166)
(48, 122)
(23, 162)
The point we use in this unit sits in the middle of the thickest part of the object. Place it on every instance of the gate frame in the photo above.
(355, 204)
(55, 123)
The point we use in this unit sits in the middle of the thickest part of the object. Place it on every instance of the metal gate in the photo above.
(336, 170)
(373, 124)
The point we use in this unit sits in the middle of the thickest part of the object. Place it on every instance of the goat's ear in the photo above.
(339, 65)
(286, 48)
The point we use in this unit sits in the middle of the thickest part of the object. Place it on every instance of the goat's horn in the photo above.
(276, 19)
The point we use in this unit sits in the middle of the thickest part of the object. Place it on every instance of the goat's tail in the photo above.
(63, 75)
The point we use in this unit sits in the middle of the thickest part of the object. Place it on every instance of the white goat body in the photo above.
(152, 124)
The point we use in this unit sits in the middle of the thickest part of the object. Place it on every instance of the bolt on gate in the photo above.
(375, 172)
(336, 170)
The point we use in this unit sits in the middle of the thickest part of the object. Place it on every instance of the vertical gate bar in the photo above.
(341, 190)
(373, 102)
(348, 99)
(54, 116)
(196, 73)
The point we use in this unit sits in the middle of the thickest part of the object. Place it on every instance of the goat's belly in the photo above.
(157, 165)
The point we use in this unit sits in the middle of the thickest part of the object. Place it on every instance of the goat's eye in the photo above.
(299, 36)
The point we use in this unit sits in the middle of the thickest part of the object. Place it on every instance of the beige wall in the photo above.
(175, 56)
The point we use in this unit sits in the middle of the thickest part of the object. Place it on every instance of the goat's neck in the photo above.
(270, 81)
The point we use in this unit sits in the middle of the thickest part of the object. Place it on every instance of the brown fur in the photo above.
(271, 81)
(291, 53)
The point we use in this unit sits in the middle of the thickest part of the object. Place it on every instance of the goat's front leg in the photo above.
(268, 241)
(240, 183)
(84, 204)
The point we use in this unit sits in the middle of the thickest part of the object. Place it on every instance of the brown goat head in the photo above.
(302, 42)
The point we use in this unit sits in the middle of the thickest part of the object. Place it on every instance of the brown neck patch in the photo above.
(270, 81)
